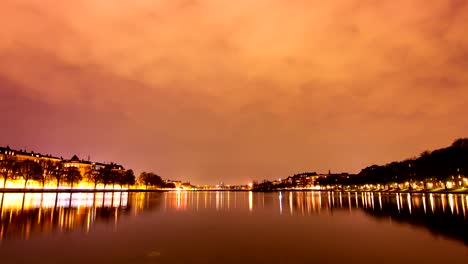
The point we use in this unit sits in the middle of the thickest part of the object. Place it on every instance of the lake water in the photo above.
(233, 227)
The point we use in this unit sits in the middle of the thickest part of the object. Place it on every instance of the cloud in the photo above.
(232, 90)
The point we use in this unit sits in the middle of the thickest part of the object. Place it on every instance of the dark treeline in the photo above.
(40, 218)
(153, 180)
(443, 168)
(109, 175)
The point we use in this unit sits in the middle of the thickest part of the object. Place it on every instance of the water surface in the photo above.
(233, 227)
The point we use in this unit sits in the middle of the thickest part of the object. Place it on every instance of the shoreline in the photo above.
(21, 190)
(375, 191)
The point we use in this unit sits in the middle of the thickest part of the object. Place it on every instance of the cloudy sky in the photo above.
(224, 90)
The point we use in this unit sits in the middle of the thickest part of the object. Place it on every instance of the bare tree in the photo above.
(93, 174)
(105, 176)
(128, 178)
(72, 176)
(58, 173)
(7, 167)
(48, 168)
(28, 170)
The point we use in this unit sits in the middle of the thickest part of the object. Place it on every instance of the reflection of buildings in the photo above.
(312, 202)
(24, 214)
(443, 214)
(205, 200)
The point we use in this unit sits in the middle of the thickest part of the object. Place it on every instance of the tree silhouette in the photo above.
(7, 167)
(58, 173)
(93, 174)
(151, 179)
(441, 165)
(47, 169)
(145, 179)
(128, 178)
(72, 176)
(105, 175)
(116, 177)
(170, 185)
(28, 170)
(461, 143)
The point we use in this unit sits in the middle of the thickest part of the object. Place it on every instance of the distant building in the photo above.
(332, 178)
(83, 165)
(24, 155)
(302, 180)
(75, 162)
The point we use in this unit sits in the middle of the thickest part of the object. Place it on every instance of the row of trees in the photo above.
(443, 165)
(109, 176)
(439, 167)
(45, 171)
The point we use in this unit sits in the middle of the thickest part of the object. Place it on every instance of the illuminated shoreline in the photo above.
(68, 190)
(370, 191)
(12, 190)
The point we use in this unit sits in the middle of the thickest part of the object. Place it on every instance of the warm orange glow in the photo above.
(19, 184)
(17, 201)
(251, 79)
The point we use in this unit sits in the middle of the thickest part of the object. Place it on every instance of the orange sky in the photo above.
(222, 90)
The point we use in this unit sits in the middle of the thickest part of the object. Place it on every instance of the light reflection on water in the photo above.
(25, 214)
(233, 227)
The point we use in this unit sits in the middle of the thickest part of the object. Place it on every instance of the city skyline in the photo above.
(233, 91)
